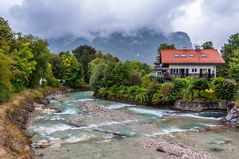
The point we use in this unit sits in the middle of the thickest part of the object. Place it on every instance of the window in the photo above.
(174, 71)
(194, 70)
(203, 55)
(183, 55)
(191, 55)
(176, 55)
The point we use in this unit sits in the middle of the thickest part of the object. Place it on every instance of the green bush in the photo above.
(166, 89)
(200, 84)
(224, 89)
(53, 82)
(134, 90)
(157, 98)
(179, 84)
(146, 80)
(102, 92)
(4, 92)
(142, 97)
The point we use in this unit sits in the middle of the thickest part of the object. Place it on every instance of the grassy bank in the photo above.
(13, 119)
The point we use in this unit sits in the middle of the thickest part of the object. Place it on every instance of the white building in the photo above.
(183, 63)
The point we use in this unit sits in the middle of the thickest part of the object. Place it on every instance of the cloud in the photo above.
(51, 18)
(203, 20)
(207, 20)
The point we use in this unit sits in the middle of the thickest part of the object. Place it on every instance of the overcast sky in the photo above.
(203, 20)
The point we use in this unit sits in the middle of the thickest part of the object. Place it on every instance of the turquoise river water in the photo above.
(117, 132)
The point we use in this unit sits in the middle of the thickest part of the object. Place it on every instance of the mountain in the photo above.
(141, 46)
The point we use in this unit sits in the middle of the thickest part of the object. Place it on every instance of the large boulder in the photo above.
(232, 118)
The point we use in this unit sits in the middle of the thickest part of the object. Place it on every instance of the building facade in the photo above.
(184, 63)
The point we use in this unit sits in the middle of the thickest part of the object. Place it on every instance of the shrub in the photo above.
(179, 84)
(102, 92)
(157, 98)
(142, 97)
(53, 82)
(146, 80)
(154, 86)
(134, 90)
(224, 89)
(133, 80)
(217, 81)
(166, 89)
(200, 84)
(78, 83)
(4, 92)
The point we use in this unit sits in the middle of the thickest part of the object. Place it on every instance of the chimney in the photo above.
(197, 47)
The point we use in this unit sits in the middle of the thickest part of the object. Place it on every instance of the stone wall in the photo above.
(199, 106)
(232, 118)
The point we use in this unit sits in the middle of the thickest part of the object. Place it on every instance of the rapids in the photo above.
(115, 130)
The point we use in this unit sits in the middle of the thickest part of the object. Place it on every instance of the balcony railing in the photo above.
(197, 75)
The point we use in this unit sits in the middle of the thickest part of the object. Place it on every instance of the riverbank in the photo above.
(189, 106)
(14, 116)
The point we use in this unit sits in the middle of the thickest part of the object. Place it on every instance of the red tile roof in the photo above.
(206, 56)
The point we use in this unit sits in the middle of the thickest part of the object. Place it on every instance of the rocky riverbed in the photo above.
(232, 118)
(80, 126)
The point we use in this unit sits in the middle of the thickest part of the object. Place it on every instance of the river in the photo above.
(118, 130)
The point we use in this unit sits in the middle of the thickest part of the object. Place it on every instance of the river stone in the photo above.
(42, 143)
(51, 110)
(229, 116)
(232, 118)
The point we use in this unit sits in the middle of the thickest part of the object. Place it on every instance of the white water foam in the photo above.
(51, 117)
(74, 139)
(86, 100)
(120, 106)
(107, 124)
(70, 111)
(158, 113)
(53, 128)
(168, 131)
(200, 117)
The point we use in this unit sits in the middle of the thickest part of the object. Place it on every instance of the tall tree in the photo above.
(207, 45)
(85, 54)
(6, 36)
(227, 53)
(233, 70)
(41, 54)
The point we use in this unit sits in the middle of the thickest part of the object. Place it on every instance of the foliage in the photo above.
(97, 76)
(233, 66)
(53, 82)
(134, 79)
(179, 84)
(138, 68)
(146, 80)
(4, 92)
(41, 53)
(142, 97)
(166, 89)
(227, 53)
(224, 88)
(71, 70)
(25, 64)
(157, 98)
(85, 54)
(207, 45)
(200, 84)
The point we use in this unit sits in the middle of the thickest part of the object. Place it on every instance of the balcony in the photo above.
(169, 76)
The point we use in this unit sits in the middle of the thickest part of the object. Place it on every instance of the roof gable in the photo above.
(205, 56)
